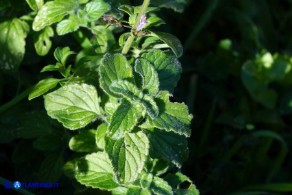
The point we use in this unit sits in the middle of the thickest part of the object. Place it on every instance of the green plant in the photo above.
(115, 94)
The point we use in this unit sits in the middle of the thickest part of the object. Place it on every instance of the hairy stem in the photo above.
(130, 40)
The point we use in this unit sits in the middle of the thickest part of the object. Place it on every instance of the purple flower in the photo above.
(143, 22)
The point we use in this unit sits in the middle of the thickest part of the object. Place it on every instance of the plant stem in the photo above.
(15, 100)
(130, 40)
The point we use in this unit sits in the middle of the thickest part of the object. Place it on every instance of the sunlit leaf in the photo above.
(95, 9)
(149, 76)
(96, 171)
(128, 155)
(12, 43)
(132, 93)
(42, 42)
(68, 25)
(52, 12)
(113, 68)
(74, 105)
(173, 117)
(124, 119)
(42, 87)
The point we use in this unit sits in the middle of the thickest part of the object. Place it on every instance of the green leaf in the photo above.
(159, 186)
(51, 167)
(149, 76)
(169, 39)
(67, 26)
(96, 171)
(42, 87)
(177, 179)
(135, 190)
(12, 43)
(35, 4)
(57, 67)
(155, 184)
(124, 119)
(62, 53)
(168, 146)
(52, 12)
(167, 67)
(42, 42)
(104, 39)
(128, 155)
(100, 135)
(132, 93)
(84, 141)
(172, 117)
(95, 9)
(153, 20)
(74, 105)
(114, 67)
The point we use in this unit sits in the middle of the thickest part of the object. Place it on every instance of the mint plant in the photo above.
(115, 96)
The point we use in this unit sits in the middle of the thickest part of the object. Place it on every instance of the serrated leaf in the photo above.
(126, 89)
(52, 12)
(100, 136)
(42, 87)
(35, 4)
(95, 9)
(155, 184)
(84, 141)
(67, 26)
(168, 146)
(74, 105)
(96, 171)
(171, 40)
(149, 76)
(159, 186)
(173, 117)
(114, 67)
(51, 167)
(42, 42)
(132, 93)
(124, 119)
(128, 155)
(167, 67)
(61, 54)
(12, 43)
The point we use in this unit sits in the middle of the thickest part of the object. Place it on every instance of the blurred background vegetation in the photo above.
(237, 82)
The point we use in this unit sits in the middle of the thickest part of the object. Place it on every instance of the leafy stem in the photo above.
(130, 40)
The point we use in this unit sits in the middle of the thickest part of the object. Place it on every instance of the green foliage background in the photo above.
(237, 70)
